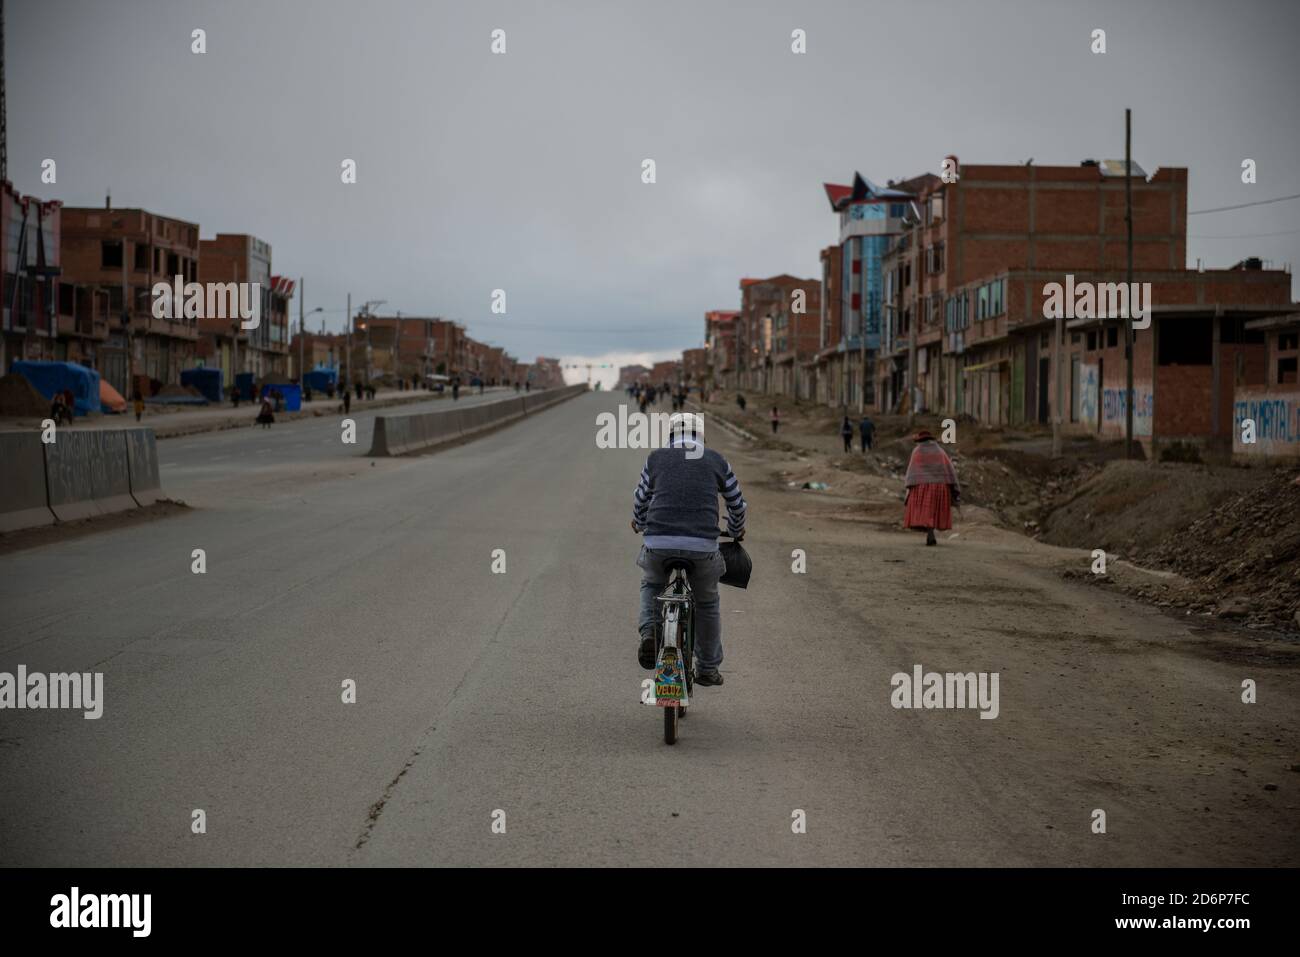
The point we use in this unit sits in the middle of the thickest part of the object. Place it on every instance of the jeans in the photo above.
(707, 568)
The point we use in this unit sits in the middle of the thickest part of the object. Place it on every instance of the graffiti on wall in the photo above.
(1089, 390)
(1277, 423)
(1114, 410)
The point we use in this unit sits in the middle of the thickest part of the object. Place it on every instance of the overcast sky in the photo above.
(523, 171)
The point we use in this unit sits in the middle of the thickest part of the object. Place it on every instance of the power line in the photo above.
(1285, 232)
(1262, 202)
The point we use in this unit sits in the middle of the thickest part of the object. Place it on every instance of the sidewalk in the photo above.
(172, 421)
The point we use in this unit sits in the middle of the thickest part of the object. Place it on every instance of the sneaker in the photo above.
(708, 678)
(645, 653)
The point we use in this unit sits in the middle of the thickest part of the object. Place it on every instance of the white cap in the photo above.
(688, 424)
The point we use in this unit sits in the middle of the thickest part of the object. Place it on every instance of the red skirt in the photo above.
(929, 506)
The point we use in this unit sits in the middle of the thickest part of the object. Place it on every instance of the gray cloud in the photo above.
(523, 171)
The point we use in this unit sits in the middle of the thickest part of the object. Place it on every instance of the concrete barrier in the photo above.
(399, 434)
(24, 500)
(88, 474)
(142, 466)
(80, 474)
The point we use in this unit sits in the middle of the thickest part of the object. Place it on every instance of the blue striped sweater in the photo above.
(676, 501)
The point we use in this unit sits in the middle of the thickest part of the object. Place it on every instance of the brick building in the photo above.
(721, 338)
(237, 258)
(403, 346)
(762, 303)
(695, 368)
(44, 317)
(1266, 416)
(965, 284)
(547, 373)
(120, 254)
(870, 216)
(828, 373)
(631, 375)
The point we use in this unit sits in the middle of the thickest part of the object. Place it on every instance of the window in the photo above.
(1286, 371)
(1286, 342)
(935, 258)
(173, 264)
(110, 254)
(67, 295)
(1112, 337)
(1092, 341)
(1186, 342)
(982, 303)
(896, 210)
(141, 257)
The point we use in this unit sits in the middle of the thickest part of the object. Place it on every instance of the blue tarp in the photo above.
(51, 377)
(207, 381)
(321, 380)
(292, 394)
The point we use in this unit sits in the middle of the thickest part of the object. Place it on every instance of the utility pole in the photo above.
(1128, 278)
(302, 329)
(347, 358)
(911, 326)
(234, 339)
(4, 125)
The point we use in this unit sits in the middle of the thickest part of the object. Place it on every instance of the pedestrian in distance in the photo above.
(528, 386)
(932, 488)
(59, 409)
(740, 401)
(347, 401)
(265, 417)
(867, 429)
(846, 433)
(776, 418)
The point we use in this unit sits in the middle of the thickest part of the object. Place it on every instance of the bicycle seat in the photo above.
(673, 564)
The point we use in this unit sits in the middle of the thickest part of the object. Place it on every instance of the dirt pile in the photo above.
(18, 397)
(1242, 558)
(1131, 508)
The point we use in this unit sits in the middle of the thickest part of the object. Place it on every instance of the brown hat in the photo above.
(922, 435)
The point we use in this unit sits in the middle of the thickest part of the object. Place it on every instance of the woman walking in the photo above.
(776, 418)
(932, 488)
(846, 433)
(265, 417)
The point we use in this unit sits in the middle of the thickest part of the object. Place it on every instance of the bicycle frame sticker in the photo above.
(670, 681)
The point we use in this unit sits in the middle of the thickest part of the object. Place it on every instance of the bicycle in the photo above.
(675, 647)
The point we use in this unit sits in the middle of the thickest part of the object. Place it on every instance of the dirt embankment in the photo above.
(1226, 539)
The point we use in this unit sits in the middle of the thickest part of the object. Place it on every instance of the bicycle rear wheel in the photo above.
(670, 725)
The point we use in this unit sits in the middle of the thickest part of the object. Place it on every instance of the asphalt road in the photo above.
(484, 698)
(225, 456)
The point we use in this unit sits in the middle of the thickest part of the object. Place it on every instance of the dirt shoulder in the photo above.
(1210, 540)
(1106, 702)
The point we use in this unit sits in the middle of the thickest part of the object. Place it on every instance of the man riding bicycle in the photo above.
(676, 506)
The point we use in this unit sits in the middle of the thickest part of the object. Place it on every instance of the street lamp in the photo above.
(365, 311)
(302, 339)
